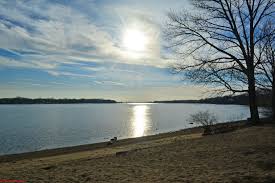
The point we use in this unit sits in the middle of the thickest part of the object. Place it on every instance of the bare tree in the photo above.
(205, 119)
(217, 42)
(265, 69)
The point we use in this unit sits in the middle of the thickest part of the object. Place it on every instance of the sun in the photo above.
(134, 40)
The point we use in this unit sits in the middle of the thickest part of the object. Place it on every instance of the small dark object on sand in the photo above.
(49, 167)
(112, 141)
(122, 153)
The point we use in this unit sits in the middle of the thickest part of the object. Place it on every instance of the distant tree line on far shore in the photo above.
(263, 99)
(21, 100)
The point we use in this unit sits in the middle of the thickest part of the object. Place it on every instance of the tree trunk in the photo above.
(254, 113)
(273, 93)
(273, 102)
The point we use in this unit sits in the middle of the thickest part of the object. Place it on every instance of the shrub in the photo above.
(205, 119)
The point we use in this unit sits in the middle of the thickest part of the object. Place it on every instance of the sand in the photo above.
(244, 155)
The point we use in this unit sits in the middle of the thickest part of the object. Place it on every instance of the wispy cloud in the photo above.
(76, 43)
(55, 73)
(50, 34)
(109, 83)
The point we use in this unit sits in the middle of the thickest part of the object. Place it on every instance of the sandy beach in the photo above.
(244, 155)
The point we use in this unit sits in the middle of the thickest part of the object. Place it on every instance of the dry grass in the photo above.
(245, 155)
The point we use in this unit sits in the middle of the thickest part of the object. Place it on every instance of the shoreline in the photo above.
(120, 142)
(246, 154)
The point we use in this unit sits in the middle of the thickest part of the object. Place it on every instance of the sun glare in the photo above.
(140, 119)
(134, 40)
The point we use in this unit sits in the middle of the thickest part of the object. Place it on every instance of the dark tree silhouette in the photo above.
(265, 70)
(217, 41)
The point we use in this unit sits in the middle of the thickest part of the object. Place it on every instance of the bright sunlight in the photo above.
(134, 40)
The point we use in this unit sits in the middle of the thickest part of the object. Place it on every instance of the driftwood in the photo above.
(216, 129)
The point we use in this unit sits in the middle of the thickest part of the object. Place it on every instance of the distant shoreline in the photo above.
(21, 100)
(263, 100)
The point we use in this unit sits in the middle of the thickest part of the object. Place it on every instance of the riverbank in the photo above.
(244, 155)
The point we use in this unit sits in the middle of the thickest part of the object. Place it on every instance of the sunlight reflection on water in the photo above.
(140, 119)
(27, 128)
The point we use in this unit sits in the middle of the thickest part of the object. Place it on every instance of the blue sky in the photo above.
(75, 49)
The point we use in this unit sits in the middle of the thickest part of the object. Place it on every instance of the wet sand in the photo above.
(244, 155)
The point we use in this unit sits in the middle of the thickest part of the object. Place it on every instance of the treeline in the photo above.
(263, 99)
(21, 100)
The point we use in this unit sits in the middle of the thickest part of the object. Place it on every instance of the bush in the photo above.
(204, 118)
(267, 112)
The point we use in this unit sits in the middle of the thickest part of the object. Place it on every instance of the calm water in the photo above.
(26, 128)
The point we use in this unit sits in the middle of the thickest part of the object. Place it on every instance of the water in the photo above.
(25, 128)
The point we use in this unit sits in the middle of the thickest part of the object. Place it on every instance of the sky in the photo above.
(111, 49)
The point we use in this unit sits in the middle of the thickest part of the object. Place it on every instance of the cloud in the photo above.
(79, 42)
(57, 73)
(59, 83)
(28, 84)
(14, 63)
(112, 83)
(50, 34)
(95, 69)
